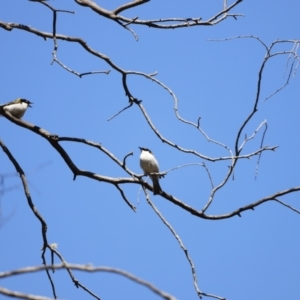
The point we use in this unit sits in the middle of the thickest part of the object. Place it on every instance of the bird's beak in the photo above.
(140, 148)
(30, 105)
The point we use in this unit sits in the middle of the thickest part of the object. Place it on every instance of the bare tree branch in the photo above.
(156, 23)
(92, 269)
(129, 5)
(19, 295)
(185, 250)
(43, 223)
(233, 155)
(54, 139)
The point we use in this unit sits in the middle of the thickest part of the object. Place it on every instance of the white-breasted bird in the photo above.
(150, 165)
(17, 108)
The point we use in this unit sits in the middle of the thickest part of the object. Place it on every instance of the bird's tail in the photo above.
(156, 186)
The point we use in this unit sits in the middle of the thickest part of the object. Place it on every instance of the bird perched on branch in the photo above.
(17, 108)
(149, 165)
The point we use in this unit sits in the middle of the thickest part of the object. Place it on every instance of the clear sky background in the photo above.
(252, 257)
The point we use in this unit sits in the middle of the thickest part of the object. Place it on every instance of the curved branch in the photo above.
(26, 191)
(129, 5)
(15, 294)
(54, 139)
(125, 199)
(177, 237)
(156, 23)
(91, 269)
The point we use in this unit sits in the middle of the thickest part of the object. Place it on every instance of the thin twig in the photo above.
(185, 250)
(125, 199)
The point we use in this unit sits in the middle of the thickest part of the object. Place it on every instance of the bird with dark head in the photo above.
(150, 165)
(17, 108)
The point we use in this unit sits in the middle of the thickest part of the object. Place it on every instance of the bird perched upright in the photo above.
(149, 165)
(17, 108)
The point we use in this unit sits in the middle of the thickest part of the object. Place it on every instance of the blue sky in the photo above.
(252, 257)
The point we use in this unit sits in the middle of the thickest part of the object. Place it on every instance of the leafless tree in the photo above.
(234, 154)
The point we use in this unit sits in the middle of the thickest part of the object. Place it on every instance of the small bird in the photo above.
(17, 108)
(149, 165)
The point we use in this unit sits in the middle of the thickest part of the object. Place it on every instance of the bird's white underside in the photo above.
(148, 163)
(17, 109)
